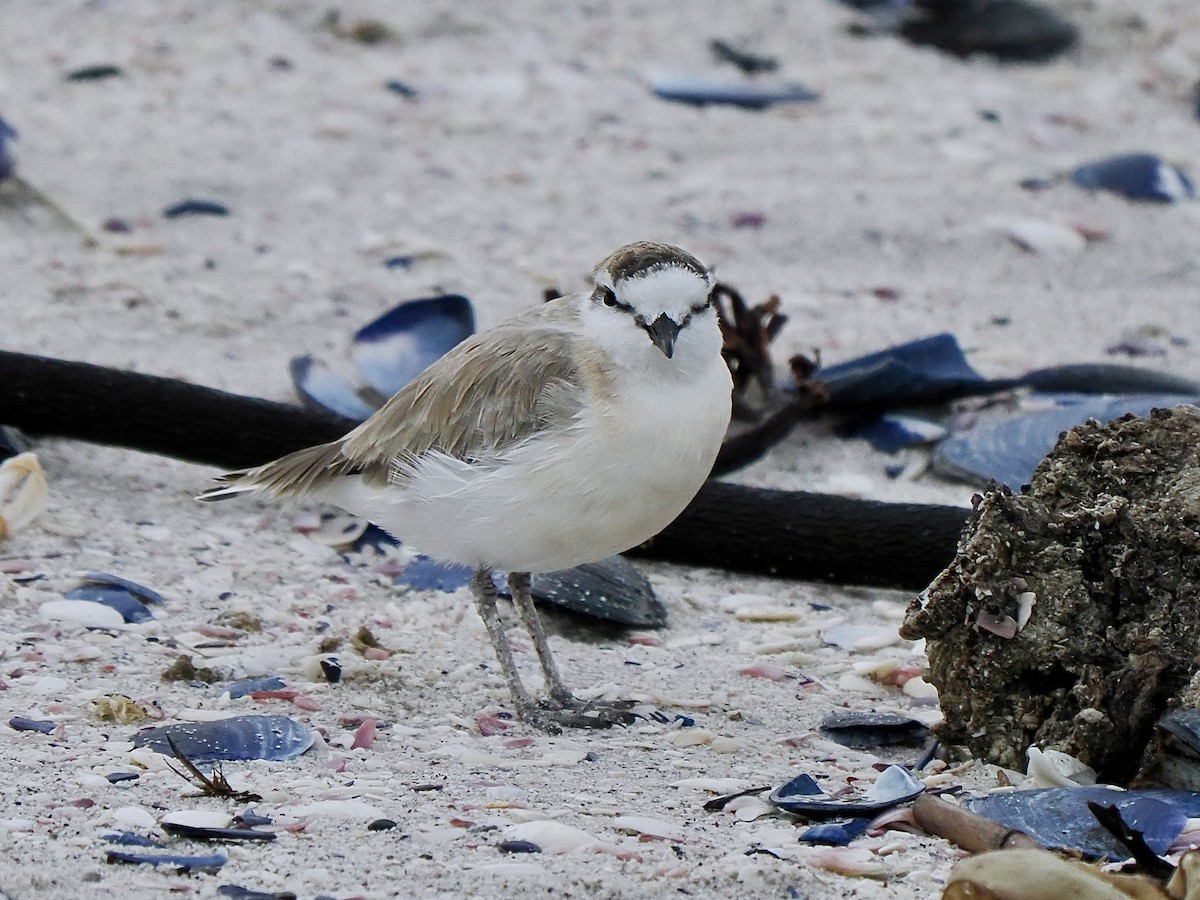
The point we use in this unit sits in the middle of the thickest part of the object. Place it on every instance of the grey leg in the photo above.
(563, 710)
(485, 601)
(518, 583)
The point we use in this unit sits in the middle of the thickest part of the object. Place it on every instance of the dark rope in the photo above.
(790, 534)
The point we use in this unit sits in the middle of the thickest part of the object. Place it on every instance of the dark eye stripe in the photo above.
(605, 296)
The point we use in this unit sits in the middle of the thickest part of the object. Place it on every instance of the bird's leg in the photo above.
(485, 601)
(519, 584)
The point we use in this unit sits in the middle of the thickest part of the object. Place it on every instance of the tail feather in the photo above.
(294, 475)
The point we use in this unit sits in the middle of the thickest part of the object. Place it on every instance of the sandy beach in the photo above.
(530, 148)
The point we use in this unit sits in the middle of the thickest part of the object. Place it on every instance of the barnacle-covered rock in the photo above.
(1099, 562)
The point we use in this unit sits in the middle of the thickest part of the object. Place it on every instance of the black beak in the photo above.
(663, 332)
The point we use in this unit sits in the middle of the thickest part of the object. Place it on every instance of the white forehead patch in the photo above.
(673, 290)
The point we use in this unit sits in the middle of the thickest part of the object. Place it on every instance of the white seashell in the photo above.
(652, 827)
(23, 492)
(861, 637)
(347, 810)
(754, 809)
(1043, 236)
(81, 612)
(734, 602)
(727, 745)
(134, 817)
(198, 818)
(691, 737)
(1025, 603)
(919, 689)
(48, 684)
(1052, 768)
(551, 836)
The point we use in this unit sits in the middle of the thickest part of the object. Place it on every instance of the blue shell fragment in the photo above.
(143, 593)
(859, 729)
(894, 432)
(195, 208)
(127, 597)
(425, 574)
(803, 795)
(238, 738)
(400, 88)
(1138, 176)
(834, 834)
(611, 589)
(119, 777)
(1060, 818)
(250, 818)
(207, 833)
(921, 371)
(187, 863)
(244, 686)
(320, 389)
(699, 90)
(1008, 451)
(20, 723)
(8, 134)
(392, 350)
(130, 839)
(518, 847)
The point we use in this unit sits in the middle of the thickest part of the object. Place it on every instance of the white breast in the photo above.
(621, 474)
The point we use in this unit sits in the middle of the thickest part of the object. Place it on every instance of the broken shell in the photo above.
(1059, 818)
(1138, 176)
(610, 589)
(872, 729)
(185, 863)
(395, 348)
(699, 90)
(861, 637)
(388, 352)
(894, 786)
(1008, 451)
(23, 492)
(8, 134)
(551, 836)
(921, 371)
(834, 834)
(320, 389)
(125, 597)
(1053, 768)
(244, 686)
(426, 574)
(237, 738)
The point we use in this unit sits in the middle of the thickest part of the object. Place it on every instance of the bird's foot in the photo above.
(554, 715)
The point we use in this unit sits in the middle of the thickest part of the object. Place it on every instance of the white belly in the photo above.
(620, 475)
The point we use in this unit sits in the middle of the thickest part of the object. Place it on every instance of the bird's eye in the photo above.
(608, 297)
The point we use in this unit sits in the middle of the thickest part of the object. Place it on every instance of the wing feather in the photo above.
(490, 392)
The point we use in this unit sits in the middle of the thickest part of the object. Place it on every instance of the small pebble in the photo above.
(381, 825)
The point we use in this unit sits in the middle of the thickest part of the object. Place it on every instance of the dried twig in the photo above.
(214, 785)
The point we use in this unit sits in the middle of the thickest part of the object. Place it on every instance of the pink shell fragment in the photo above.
(364, 737)
(770, 671)
(1001, 626)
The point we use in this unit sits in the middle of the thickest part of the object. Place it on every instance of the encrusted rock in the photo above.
(1107, 542)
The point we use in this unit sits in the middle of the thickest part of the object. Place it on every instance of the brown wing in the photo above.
(491, 391)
